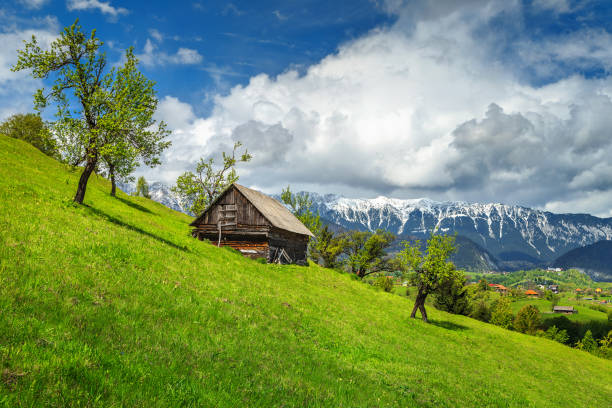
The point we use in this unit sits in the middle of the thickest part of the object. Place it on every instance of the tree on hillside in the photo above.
(527, 319)
(93, 121)
(429, 270)
(501, 313)
(327, 248)
(142, 188)
(30, 128)
(588, 343)
(300, 205)
(203, 186)
(131, 130)
(366, 251)
(453, 296)
(483, 285)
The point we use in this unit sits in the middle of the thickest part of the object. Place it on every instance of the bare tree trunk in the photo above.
(419, 304)
(89, 168)
(111, 170)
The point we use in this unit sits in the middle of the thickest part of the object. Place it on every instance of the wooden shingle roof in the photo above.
(277, 214)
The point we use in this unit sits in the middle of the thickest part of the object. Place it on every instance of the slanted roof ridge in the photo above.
(276, 213)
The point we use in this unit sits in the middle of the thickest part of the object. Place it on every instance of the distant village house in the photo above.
(255, 224)
(564, 309)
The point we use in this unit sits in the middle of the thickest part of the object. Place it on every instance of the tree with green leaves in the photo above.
(588, 343)
(527, 319)
(30, 128)
(208, 181)
(300, 205)
(327, 248)
(483, 285)
(429, 270)
(98, 110)
(366, 252)
(501, 313)
(452, 296)
(142, 188)
(132, 135)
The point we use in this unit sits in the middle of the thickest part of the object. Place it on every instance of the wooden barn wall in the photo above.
(252, 246)
(247, 214)
(296, 245)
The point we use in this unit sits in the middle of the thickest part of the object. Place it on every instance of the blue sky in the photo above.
(479, 100)
(235, 40)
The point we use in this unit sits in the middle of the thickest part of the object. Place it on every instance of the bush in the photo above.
(527, 319)
(501, 313)
(481, 311)
(553, 333)
(384, 283)
(587, 343)
(452, 297)
(261, 260)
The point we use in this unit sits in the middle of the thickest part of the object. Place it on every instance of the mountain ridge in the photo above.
(518, 237)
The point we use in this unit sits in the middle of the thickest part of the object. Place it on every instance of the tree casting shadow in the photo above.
(117, 221)
(133, 205)
(448, 325)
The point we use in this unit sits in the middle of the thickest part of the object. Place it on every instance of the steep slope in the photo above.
(594, 259)
(113, 304)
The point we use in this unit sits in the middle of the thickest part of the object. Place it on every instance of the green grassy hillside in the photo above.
(114, 304)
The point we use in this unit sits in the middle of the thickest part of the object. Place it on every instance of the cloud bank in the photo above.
(426, 107)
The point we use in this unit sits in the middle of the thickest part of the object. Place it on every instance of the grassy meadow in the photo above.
(114, 304)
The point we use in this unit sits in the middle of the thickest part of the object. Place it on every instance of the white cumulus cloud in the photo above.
(102, 6)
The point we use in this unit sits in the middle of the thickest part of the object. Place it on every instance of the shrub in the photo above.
(527, 319)
(481, 311)
(261, 260)
(384, 283)
(501, 313)
(553, 333)
(452, 297)
(587, 343)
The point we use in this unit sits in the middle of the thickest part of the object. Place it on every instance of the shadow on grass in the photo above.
(133, 205)
(448, 325)
(117, 221)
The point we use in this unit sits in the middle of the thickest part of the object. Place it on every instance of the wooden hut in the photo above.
(255, 224)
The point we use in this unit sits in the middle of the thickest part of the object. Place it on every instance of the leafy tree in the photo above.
(557, 335)
(481, 311)
(300, 205)
(606, 345)
(428, 271)
(327, 248)
(96, 119)
(501, 313)
(385, 283)
(452, 296)
(142, 188)
(483, 285)
(131, 131)
(366, 251)
(527, 319)
(587, 343)
(30, 128)
(203, 186)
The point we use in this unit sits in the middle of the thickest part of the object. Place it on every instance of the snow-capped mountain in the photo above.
(511, 233)
(517, 237)
(161, 193)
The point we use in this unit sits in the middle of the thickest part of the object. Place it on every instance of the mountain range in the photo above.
(490, 237)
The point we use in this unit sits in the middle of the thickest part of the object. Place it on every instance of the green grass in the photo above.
(114, 304)
(584, 314)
